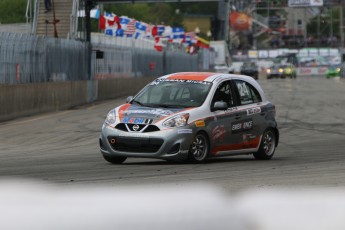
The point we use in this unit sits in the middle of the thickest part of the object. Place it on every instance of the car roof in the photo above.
(194, 76)
(213, 77)
(202, 76)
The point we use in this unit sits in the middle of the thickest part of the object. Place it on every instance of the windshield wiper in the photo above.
(139, 103)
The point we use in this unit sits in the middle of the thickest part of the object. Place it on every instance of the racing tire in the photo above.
(267, 145)
(114, 159)
(199, 149)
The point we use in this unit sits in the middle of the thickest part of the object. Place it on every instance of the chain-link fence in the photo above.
(31, 59)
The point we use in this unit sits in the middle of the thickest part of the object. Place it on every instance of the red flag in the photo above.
(154, 31)
(105, 22)
(102, 22)
(158, 44)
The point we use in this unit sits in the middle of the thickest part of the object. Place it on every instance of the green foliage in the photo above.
(325, 24)
(161, 13)
(12, 11)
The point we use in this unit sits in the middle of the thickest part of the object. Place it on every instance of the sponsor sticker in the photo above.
(241, 126)
(156, 112)
(230, 110)
(144, 136)
(218, 133)
(180, 80)
(253, 110)
(248, 137)
(184, 131)
(133, 120)
(200, 123)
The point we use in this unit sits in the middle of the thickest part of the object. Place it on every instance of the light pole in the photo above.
(197, 30)
(341, 24)
(209, 35)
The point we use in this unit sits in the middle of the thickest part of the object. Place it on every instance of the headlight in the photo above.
(288, 70)
(110, 120)
(268, 70)
(338, 69)
(280, 70)
(177, 121)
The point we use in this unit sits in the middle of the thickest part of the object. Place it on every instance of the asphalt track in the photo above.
(62, 147)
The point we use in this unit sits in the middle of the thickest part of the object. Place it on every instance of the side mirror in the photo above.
(129, 99)
(220, 105)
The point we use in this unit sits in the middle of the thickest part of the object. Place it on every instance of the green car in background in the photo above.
(333, 71)
(287, 70)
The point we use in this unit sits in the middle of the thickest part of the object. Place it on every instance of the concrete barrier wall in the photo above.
(27, 99)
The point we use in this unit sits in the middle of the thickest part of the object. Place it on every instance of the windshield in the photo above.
(173, 93)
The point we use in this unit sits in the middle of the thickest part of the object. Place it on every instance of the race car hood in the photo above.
(135, 114)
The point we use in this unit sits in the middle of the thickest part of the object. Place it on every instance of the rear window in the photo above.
(248, 94)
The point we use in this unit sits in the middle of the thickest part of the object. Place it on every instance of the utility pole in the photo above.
(331, 26)
(227, 27)
(89, 4)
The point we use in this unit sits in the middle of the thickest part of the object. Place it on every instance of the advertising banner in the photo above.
(305, 3)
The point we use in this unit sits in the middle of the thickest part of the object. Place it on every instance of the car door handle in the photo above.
(238, 117)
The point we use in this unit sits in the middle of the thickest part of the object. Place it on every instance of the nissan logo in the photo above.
(135, 127)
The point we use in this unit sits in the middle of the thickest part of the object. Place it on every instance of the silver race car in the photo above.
(192, 115)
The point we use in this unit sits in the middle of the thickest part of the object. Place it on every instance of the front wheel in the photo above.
(267, 145)
(199, 149)
(114, 159)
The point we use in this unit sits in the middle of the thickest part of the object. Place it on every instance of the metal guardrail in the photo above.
(26, 58)
(115, 61)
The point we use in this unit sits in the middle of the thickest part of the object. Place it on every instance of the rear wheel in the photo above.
(114, 159)
(199, 149)
(267, 145)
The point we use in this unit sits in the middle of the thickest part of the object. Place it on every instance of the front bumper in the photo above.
(169, 144)
(273, 75)
(332, 74)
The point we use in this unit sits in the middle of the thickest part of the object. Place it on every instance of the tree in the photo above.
(161, 13)
(12, 11)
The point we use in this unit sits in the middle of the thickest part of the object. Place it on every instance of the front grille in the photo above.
(134, 144)
(142, 128)
(151, 128)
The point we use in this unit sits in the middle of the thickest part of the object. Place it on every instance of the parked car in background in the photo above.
(250, 69)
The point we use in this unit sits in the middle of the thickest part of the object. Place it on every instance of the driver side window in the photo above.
(224, 93)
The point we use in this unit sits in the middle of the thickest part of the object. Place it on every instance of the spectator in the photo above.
(47, 5)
